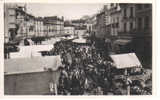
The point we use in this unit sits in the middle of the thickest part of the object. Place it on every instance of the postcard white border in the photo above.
(154, 39)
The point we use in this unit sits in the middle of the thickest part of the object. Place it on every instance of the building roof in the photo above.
(39, 19)
(100, 13)
(68, 25)
(52, 18)
(31, 65)
(81, 27)
(78, 21)
(128, 60)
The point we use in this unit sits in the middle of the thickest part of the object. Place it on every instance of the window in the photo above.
(117, 25)
(125, 14)
(146, 5)
(139, 23)
(146, 21)
(139, 6)
(113, 20)
(131, 11)
(125, 26)
(131, 26)
(112, 4)
(117, 19)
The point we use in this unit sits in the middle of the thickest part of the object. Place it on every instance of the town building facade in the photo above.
(69, 29)
(80, 27)
(80, 31)
(91, 24)
(143, 32)
(100, 25)
(19, 24)
(53, 25)
(39, 27)
(128, 20)
(128, 27)
(10, 21)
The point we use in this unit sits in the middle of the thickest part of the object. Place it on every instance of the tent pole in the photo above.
(127, 82)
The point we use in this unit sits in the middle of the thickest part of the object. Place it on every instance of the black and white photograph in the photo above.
(69, 49)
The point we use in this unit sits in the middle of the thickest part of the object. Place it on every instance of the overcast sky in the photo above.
(69, 11)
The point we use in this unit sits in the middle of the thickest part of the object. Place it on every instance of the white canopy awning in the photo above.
(80, 40)
(128, 60)
(31, 65)
(122, 41)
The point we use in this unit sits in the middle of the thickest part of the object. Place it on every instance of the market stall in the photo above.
(129, 72)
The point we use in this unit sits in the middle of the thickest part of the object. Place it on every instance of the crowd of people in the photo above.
(85, 70)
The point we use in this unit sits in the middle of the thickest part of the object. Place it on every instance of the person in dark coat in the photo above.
(75, 86)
